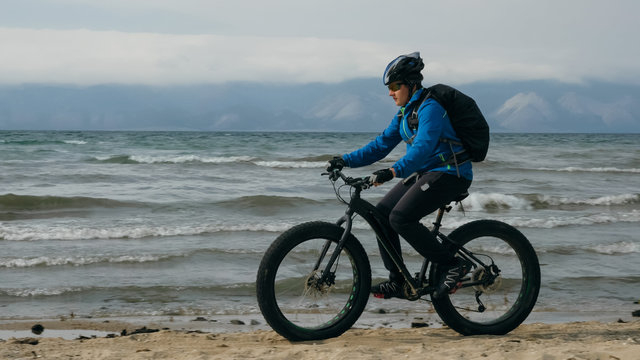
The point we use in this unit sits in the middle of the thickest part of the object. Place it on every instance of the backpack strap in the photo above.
(412, 120)
(456, 159)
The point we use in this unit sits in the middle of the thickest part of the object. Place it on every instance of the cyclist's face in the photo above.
(399, 92)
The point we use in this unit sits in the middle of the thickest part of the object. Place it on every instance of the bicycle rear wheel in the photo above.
(497, 298)
(292, 295)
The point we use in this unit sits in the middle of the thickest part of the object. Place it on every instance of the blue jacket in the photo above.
(425, 153)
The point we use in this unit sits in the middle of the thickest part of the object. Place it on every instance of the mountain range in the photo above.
(354, 105)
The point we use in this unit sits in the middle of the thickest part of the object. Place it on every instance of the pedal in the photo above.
(378, 295)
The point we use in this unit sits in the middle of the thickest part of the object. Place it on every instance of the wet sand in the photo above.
(575, 340)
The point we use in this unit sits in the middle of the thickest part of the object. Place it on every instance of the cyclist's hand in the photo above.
(335, 163)
(381, 176)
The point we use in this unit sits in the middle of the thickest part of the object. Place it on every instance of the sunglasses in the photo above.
(395, 86)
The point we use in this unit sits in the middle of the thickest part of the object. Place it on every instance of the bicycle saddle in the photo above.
(461, 197)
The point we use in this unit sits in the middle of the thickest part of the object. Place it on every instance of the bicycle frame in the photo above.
(380, 226)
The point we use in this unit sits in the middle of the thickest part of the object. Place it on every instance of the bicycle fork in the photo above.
(348, 219)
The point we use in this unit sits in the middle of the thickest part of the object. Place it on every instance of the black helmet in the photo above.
(404, 68)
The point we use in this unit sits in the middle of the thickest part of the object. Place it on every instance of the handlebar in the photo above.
(360, 183)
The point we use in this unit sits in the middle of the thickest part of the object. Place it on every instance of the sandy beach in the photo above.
(577, 340)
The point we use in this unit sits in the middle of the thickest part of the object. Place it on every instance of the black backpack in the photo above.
(466, 119)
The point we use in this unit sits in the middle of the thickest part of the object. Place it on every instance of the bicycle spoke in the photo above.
(502, 287)
(317, 302)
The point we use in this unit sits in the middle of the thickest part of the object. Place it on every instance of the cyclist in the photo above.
(431, 177)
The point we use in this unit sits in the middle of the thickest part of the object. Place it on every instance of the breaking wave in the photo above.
(175, 159)
(195, 159)
(41, 232)
(492, 201)
(594, 169)
(560, 221)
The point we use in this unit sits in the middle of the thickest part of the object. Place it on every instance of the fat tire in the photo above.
(528, 291)
(271, 261)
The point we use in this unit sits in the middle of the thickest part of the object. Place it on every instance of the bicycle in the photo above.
(314, 280)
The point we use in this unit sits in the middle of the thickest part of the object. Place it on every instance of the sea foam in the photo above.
(37, 233)
(481, 201)
(594, 169)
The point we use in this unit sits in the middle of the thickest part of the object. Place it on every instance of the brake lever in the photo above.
(366, 183)
(333, 175)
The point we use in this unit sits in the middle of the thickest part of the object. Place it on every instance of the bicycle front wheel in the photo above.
(297, 298)
(501, 289)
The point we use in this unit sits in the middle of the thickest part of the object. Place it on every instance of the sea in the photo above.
(174, 224)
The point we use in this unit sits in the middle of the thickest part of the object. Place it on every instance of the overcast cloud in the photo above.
(202, 41)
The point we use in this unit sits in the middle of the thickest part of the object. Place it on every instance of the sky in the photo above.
(166, 42)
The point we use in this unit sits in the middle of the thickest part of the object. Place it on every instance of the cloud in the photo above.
(201, 41)
(90, 57)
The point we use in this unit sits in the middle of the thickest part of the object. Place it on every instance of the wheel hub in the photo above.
(316, 285)
(489, 279)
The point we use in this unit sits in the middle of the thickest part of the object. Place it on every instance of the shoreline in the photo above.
(70, 328)
(578, 340)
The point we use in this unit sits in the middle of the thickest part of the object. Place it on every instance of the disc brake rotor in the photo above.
(315, 287)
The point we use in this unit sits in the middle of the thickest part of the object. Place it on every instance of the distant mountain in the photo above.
(355, 105)
(547, 106)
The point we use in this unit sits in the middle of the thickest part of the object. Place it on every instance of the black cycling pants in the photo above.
(406, 203)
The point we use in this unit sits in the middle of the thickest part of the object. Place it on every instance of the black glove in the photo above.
(335, 163)
(381, 176)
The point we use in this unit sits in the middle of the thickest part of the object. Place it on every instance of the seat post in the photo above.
(446, 208)
(438, 221)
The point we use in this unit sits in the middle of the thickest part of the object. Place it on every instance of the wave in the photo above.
(305, 163)
(317, 158)
(495, 201)
(292, 164)
(71, 260)
(561, 221)
(594, 169)
(611, 200)
(532, 222)
(618, 248)
(12, 202)
(78, 260)
(589, 281)
(42, 142)
(33, 292)
(116, 159)
(128, 292)
(75, 142)
(480, 201)
(176, 159)
(266, 201)
(38, 233)
(614, 249)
